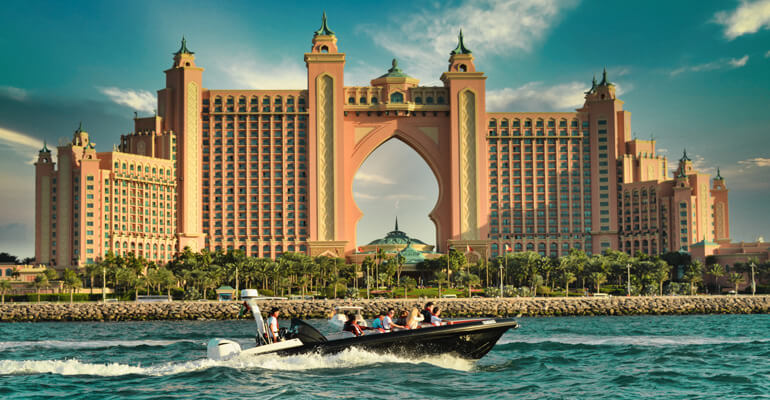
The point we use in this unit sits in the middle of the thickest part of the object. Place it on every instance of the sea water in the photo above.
(667, 357)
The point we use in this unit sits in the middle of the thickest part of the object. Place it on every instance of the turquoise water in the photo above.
(672, 357)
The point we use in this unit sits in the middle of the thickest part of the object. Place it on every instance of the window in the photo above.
(397, 97)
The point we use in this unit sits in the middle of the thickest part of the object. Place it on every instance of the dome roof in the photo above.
(412, 256)
(396, 237)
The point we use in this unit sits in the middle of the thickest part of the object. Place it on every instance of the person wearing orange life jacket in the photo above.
(352, 326)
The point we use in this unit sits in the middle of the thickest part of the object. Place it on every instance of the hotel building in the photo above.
(270, 171)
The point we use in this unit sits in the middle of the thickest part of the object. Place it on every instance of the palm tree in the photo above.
(165, 279)
(598, 278)
(660, 274)
(692, 277)
(716, 271)
(51, 275)
(441, 278)
(569, 277)
(41, 281)
(400, 260)
(735, 278)
(5, 286)
(409, 283)
(470, 280)
(72, 282)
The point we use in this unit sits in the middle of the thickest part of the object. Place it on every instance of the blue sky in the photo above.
(693, 74)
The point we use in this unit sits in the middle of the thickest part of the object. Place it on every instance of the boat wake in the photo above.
(653, 341)
(93, 344)
(350, 358)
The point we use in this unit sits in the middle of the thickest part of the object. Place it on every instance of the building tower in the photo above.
(609, 131)
(467, 89)
(179, 108)
(325, 73)
(44, 181)
(721, 210)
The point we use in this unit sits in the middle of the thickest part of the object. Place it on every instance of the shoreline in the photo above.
(476, 307)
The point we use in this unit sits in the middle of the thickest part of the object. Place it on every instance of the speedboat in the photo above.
(469, 339)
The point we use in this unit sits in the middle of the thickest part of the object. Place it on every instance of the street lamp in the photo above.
(628, 282)
(104, 284)
(501, 274)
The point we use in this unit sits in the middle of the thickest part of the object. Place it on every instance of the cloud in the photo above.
(723, 63)
(360, 73)
(13, 93)
(20, 141)
(755, 162)
(396, 196)
(740, 62)
(749, 17)
(490, 27)
(767, 55)
(248, 72)
(364, 196)
(537, 96)
(364, 177)
(404, 196)
(137, 100)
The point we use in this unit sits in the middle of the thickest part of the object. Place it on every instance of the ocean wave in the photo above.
(93, 344)
(350, 358)
(641, 340)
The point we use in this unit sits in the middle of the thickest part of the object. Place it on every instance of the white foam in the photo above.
(94, 344)
(350, 358)
(642, 340)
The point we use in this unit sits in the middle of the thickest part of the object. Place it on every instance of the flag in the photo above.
(507, 248)
(360, 249)
(468, 249)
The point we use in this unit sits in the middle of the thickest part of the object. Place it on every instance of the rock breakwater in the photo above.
(482, 307)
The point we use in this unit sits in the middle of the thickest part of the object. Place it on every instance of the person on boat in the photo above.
(379, 322)
(352, 326)
(272, 324)
(402, 317)
(435, 318)
(428, 311)
(387, 322)
(415, 317)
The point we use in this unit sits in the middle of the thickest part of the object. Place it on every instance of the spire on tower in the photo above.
(396, 223)
(324, 30)
(45, 148)
(183, 49)
(684, 156)
(719, 175)
(604, 81)
(460, 49)
(80, 127)
(593, 86)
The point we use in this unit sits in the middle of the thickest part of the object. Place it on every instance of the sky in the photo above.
(694, 75)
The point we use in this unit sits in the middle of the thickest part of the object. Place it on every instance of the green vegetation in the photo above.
(193, 276)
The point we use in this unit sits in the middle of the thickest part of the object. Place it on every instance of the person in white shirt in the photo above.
(387, 322)
(435, 318)
(272, 324)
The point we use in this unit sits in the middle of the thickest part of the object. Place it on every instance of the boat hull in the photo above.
(469, 340)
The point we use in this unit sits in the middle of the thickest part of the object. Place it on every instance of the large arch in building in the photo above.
(423, 139)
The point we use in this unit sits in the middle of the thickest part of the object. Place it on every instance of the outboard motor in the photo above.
(222, 349)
